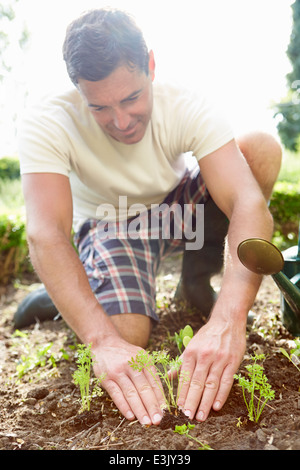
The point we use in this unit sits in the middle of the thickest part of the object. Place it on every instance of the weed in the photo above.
(82, 377)
(183, 337)
(162, 364)
(37, 357)
(185, 430)
(257, 382)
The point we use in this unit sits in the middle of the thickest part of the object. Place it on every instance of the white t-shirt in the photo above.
(60, 135)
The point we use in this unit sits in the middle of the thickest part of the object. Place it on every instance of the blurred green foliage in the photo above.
(287, 112)
(285, 208)
(9, 168)
(13, 247)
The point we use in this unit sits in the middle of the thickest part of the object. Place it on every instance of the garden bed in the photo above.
(40, 410)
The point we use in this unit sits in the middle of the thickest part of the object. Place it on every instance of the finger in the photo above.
(151, 394)
(225, 387)
(216, 390)
(210, 390)
(118, 398)
(133, 395)
(194, 392)
(157, 387)
(186, 373)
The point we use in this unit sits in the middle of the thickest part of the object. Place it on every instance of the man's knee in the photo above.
(262, 146)
(133, 327)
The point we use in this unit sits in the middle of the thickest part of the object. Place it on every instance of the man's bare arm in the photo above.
(216, 351)
(49, 221)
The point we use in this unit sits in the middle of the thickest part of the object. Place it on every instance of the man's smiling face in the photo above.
(121, 103)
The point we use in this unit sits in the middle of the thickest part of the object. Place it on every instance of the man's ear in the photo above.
(151, 65)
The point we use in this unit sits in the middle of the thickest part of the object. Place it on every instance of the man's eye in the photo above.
(133, 98)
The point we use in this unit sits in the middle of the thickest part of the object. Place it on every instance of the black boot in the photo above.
(36, 306)
(199, 266)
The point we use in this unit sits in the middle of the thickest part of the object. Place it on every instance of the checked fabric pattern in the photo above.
(122, 271)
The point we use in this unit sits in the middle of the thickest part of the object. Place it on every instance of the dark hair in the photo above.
(101, 40)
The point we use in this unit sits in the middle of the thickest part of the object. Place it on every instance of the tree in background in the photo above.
(8, 38)
(288, 110)
(14, 37)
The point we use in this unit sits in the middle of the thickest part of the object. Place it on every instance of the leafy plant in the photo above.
(41, 357)
(13, 246)
(257, 382)
(82, 377)
(183, 338)
(284, 207)
(9, 168)
(185, 430)
(294, 355)
(159, 364)
(38, 359)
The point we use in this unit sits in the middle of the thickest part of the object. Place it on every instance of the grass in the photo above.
(290, 168)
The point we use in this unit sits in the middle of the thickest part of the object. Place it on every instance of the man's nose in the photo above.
(121, 120)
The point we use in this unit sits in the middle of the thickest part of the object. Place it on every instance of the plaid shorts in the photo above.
(122, 270)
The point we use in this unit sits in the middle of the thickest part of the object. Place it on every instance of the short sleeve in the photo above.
(43, 144)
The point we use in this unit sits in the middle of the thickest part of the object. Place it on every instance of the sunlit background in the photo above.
(233, 50)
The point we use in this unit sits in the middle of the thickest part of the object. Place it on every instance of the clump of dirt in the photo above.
(40, 408)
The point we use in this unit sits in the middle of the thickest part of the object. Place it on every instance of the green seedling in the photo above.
(38, 358)
(183, 338)
(257, 382)
(159, 364)
(42, 358)
(294, 355)
(185, 430)
(89, 388)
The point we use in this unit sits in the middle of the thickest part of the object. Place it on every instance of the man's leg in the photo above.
(121, 275)
(198, 266)
(263, 154)
(133, 327)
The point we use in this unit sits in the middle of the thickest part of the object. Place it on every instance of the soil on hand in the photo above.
(40, 405)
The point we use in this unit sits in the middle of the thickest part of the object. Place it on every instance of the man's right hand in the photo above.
(136, 394)
(49, 222)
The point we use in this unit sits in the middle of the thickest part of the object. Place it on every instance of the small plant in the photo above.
(82, 377)
(294, 356)
(185, 430)
(37, 358)
(183, 337)
(257, 382)
(163, 364)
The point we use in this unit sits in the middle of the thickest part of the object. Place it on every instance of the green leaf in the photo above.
(187, 331)
(186, 341)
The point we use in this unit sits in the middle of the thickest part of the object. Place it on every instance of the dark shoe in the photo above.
(199, 266)
(199, 295)
(36, 306)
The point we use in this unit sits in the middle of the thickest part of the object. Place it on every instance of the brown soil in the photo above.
(41, 410)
